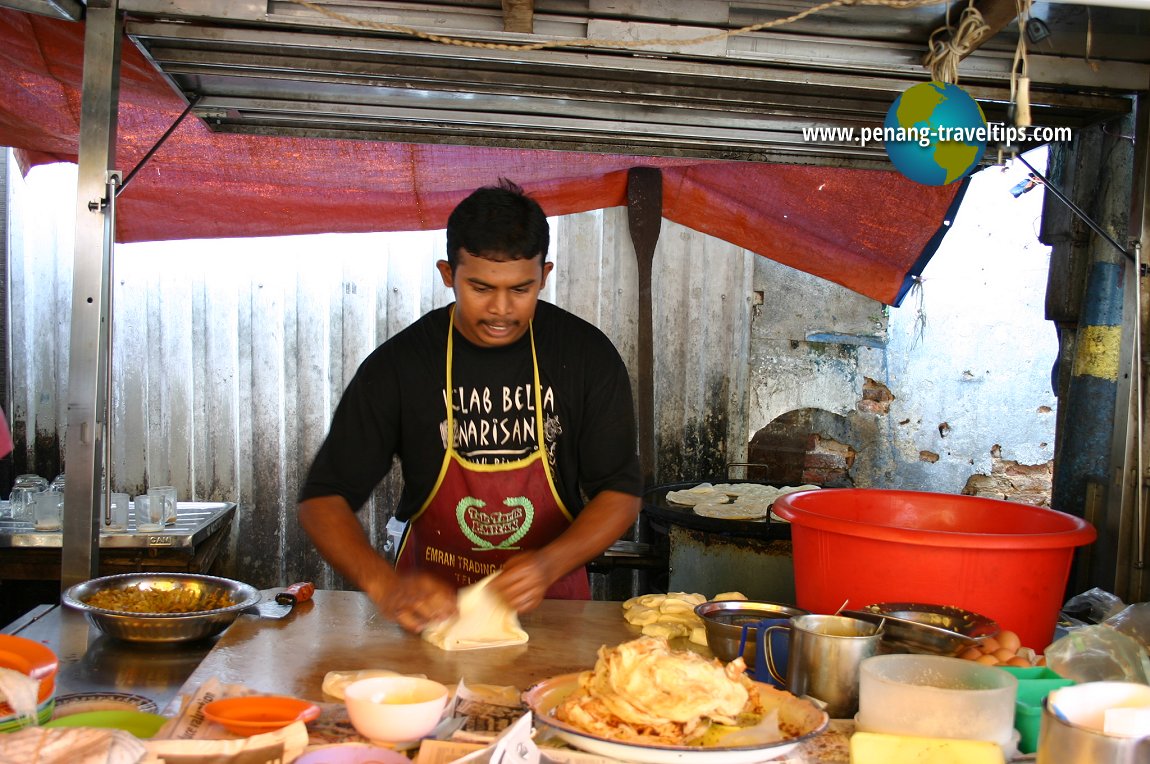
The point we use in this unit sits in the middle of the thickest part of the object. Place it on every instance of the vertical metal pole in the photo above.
(88, 356)
(1090, 404)
(1139, 578)
(645, 219)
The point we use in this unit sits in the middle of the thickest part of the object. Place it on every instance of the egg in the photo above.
(989, 645)
(1019, 662)
(1003, 654)
(1009, 640)
(971, 654)
(988, 660)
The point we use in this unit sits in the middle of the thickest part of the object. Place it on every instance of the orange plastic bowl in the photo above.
(32, 659)
(18, 652)
(251, 715)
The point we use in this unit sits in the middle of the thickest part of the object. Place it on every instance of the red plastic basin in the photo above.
(1004, 560)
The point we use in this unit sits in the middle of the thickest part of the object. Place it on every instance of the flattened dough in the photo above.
(483, 620)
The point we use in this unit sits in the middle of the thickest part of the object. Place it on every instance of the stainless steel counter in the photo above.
(91, 662)
(336, 630)
(195, 521)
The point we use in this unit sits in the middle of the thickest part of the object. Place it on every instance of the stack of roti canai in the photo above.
(733, 501)
(643, 692)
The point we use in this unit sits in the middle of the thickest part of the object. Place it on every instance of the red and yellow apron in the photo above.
(480, 515)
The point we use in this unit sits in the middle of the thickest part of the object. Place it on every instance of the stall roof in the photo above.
(313, 117)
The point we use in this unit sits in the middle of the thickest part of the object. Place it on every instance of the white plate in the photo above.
(809, 720)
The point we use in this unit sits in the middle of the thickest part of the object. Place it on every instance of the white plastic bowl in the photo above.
(394, 709)
(936, 696)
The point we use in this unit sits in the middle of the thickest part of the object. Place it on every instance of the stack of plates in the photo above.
(40, 663)
(10, 722)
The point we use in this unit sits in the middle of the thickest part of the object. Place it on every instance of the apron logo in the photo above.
(475, 522)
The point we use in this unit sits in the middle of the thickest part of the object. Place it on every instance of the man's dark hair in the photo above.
(499, 222)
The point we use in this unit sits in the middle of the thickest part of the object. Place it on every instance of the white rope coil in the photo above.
(948, 46)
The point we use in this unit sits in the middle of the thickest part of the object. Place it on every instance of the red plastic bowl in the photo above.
(1005, 560)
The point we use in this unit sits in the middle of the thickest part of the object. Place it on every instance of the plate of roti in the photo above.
(644, 702)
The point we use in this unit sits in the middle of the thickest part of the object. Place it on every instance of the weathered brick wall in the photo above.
(1025, 483)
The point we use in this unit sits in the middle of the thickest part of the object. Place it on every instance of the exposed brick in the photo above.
(824, 461)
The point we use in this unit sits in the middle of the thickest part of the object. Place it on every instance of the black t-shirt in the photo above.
(394, 407)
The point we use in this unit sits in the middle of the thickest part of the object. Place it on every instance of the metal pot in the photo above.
(1064, 738)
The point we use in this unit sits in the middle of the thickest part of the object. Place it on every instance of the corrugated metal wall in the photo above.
(229, 355)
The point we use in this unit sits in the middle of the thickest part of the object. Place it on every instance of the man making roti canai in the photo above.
(540, 416)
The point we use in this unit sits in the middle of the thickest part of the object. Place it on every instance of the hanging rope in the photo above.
(605, 43)
(1020, 71)
(948, 45)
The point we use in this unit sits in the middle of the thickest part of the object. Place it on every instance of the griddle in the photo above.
(662, 512)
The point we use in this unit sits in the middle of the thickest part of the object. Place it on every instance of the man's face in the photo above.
(494, 300)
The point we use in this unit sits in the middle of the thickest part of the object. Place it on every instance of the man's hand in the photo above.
(524, 581)
(414, 601)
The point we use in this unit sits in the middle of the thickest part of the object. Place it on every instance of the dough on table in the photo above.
(20, 691)
(483, 620)
(335, 682)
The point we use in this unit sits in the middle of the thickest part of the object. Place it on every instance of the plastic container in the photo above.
(937, 696)
(1034, 684)
(1005, 560)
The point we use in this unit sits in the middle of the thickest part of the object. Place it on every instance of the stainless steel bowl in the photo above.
(912, 627)
(723, 622)
(162, 627)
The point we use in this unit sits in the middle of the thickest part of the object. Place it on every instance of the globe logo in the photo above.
(935, 133)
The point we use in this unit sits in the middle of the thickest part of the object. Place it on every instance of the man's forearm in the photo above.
(342, 541)
(603, 520)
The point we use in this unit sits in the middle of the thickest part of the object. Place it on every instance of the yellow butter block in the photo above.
(877, 748)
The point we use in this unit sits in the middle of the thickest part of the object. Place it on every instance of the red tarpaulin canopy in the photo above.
(865, 229)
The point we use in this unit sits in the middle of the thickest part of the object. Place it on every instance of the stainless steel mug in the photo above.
(825, 653)
(1072, 730)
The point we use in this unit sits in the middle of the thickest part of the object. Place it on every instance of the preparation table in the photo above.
(341, 631)
(334, 631)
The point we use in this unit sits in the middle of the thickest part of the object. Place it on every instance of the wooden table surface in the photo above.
(341, 631)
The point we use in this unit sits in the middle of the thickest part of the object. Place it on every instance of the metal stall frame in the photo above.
(91, 283)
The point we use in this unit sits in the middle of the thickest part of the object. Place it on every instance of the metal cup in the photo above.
(779, 647)
(1073, 728)
(825, 653)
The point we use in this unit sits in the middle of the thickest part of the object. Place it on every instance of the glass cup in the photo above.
(118, 519)
(166, 496)
(149, 514)
(37, 482)
(20, 502)
(47, 510)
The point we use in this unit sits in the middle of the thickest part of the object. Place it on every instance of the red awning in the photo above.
(865, 229)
